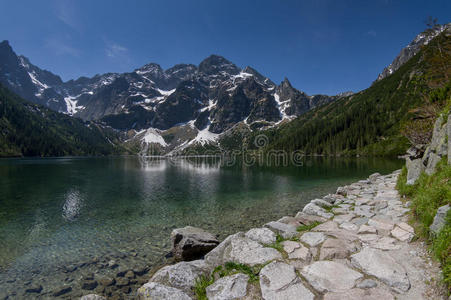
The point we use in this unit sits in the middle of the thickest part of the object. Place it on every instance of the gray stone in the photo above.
(335, 248)
(343, 218)
(181, 275)
(439, 219)
(228, 288)
(381, 224)
(438, 137)
(373, 177)
(327, 226)
(315, 210)
(330, 276)
(92, 297)
(249, 252)
(308, 219)
(385, 243)
(296, 250)
(278, 280)
(261, 235)
(349, 226)
(414, 169)
(363, 211)
(313, 238)
(321, 203)
(190, 243)
(359, 294)
(402, 235)
(382, 266)
(215, 257)
(367, 284)
(342, 191)
(365, 229)
(433, 160)
(157, 291)
(285, 230)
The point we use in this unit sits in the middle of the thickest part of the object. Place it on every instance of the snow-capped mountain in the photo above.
(412, 49)
(195, 104)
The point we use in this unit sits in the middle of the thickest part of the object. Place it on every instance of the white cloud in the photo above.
(114, 50)
(65, 11)
(60, 48)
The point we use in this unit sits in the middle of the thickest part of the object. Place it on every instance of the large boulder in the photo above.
(414, 169)
(438, 142)
(330, 276)
(228, 288)
(439, 219)
(154, 290)
(190, 243)
(315, 210)
(285, 230)
(182, 275)
(278, 280)
(384, 267)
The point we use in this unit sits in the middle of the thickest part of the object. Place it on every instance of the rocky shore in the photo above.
(355, 244)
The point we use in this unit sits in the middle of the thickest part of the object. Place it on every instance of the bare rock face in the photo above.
(190, 243)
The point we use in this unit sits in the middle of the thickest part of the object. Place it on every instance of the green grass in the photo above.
(230, 268)
(200, 286)
(303, 228)
(278, 243)
(427, 195)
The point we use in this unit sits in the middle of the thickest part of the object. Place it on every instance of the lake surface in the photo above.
(65, 212)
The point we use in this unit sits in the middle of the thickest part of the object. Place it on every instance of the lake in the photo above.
(63, 217)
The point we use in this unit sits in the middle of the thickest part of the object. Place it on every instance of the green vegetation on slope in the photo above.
(370, 121)
(28, 129)
(428, 194)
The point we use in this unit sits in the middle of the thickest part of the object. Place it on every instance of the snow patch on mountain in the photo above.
(71, 105)
(152, 136)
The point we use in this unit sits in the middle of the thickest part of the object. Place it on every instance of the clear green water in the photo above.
(66, 211)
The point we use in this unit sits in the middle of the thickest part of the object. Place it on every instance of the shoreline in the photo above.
(329, 250)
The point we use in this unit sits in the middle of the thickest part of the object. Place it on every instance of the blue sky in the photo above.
(322, 46)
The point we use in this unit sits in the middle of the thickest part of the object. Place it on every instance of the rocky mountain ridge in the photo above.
(413, 48)
(206, 100)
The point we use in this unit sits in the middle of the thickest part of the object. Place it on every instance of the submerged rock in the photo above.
(190, 243)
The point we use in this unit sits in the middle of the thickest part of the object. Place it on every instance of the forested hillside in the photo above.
(28, 129)
(372, 122)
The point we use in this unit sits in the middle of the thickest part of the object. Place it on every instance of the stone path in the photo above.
(356, 245)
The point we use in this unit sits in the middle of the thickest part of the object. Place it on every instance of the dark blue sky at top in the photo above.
(321, 46)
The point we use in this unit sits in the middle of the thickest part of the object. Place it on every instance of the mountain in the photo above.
(206, 100)
(413, 48)
(28, 129)
(378, 120)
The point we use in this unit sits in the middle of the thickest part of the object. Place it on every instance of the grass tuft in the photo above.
(308, 227)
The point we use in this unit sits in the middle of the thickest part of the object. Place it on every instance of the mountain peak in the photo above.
(215, 64)
(286, 83)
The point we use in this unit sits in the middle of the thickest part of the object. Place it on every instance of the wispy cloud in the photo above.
(61, 48)
(66, 12)
(117, 52)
